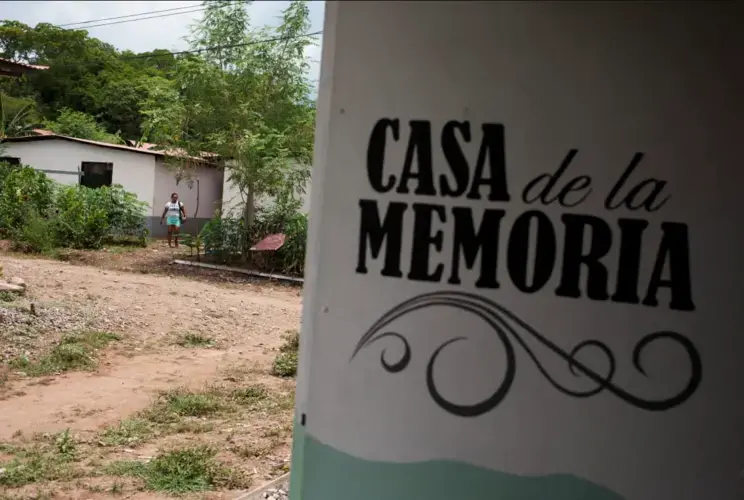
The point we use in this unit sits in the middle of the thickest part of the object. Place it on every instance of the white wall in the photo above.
(209, 190)
(232, 201)
(609, 79)
(134, 171)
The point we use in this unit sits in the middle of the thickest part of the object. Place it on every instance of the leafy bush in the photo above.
(223, 238)
(87, 217)
(39, 215)
(81, 125)
(81, 221)
(285, 364)
(24, 192)
(124, 212)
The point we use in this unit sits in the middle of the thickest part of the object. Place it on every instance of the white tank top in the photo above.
(174, 209)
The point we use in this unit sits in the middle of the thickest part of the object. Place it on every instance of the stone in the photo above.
(18, 282)
(8, 287)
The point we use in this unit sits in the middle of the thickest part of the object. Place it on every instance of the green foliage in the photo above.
(284, 217)
(248, 102)
(84, 75)
(223, 239)
(81, 221)
(182, 471)
(48, 461)
(75, 352)
(17, 116)
(39, 215)
(25, 194)
(195, 340)
(285, 364)
(77, 124)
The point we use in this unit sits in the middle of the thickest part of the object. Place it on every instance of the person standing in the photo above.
(174, 214)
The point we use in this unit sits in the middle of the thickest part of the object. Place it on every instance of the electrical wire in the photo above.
(220, 47)
(129, 15)
(141, 19)
(199, 51)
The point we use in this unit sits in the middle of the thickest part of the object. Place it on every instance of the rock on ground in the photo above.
(278, 493)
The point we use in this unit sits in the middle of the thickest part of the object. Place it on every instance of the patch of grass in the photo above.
(130, 468)
(43, 462)
(291, 341)
(181, 411)
(252, 395)
(182, 471)
(177, 403)
(129, 432)
(258, 449)
(96, 340)
(285, 364)
(195, 340)
(117, 249)
(8, 297)
(73, 352)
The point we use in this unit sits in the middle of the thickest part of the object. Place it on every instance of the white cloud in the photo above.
(163, 33)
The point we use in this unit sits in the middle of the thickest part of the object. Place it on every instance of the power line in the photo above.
(142, 18)
(198, 51)
(220, 47)
(129, 15)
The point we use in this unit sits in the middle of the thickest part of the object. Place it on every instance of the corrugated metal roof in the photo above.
(24, 65)
(47, 134)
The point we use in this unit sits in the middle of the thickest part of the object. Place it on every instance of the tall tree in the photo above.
(248, 101)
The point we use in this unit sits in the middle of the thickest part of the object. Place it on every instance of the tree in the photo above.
(247, 102)
(76, 124)
(84, 74)
(17, 116)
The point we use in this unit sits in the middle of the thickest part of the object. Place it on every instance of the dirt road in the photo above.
(151, 313)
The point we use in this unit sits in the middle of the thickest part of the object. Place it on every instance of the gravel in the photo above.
(29, 326)
(279, 493)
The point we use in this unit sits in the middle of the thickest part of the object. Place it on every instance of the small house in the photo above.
(143, 171)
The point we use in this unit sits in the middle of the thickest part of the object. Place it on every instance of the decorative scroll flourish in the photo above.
(509, 328)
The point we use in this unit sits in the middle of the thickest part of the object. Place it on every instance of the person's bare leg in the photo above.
(170, 235)
(176, 230)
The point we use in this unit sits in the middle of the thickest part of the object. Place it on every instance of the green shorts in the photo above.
(174, 221)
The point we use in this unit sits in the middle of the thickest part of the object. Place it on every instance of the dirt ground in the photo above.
(208, 338)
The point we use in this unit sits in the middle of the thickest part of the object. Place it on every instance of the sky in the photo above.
(159, 33)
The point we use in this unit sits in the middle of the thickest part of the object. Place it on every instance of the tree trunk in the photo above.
(249, 214)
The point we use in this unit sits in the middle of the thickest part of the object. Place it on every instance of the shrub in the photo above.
(34, 235)
(77, 124)
(88, 217)
(81, 221)
(39, 215)
(24, 192)
(223, 238)
(285, 364)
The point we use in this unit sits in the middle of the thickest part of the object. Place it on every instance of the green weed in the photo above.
(182, 471)
(73, 352)
(195, 340)
(285, 364)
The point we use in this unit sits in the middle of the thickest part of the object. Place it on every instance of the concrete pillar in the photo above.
(526, 254)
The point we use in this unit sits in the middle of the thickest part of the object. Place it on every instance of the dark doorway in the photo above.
(10, 160)
(96, 174)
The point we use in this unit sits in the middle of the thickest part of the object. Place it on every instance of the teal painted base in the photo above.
(320, 472)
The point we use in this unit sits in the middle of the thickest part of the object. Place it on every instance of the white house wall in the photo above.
(210, 188)
(134, 171)
(232, 200)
